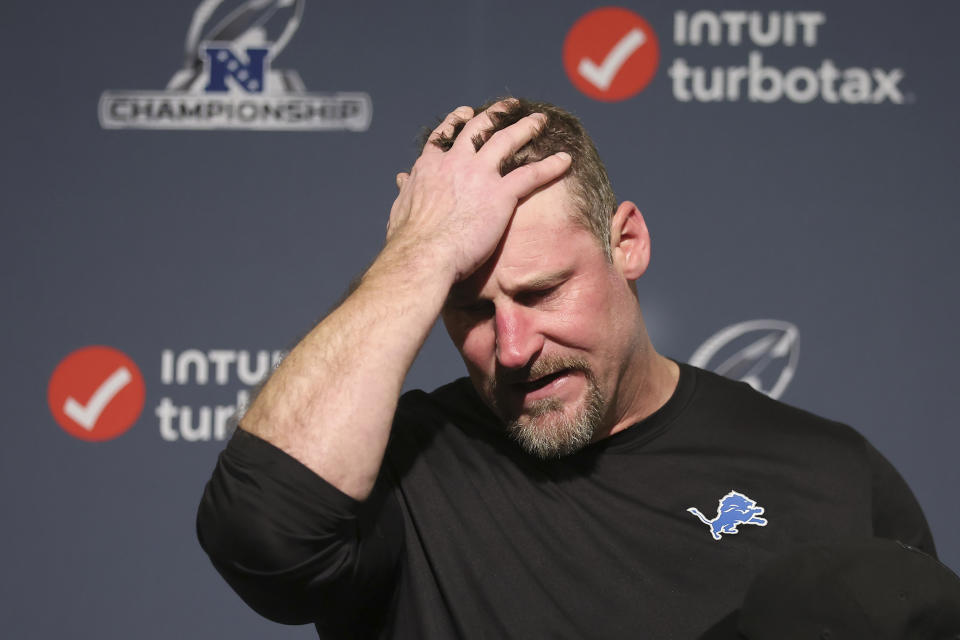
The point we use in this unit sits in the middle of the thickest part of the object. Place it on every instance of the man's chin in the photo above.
(547, 429)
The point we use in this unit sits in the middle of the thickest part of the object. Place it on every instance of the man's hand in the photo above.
(455, 204)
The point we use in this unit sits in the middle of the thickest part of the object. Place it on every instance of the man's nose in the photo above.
(518, 340)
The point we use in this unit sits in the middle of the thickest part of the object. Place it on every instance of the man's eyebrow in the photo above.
(543, 281)
(459, 296)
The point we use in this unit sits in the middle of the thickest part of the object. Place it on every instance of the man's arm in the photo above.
(331, 402)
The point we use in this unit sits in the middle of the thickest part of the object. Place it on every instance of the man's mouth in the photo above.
(557, 380)
(536, 384)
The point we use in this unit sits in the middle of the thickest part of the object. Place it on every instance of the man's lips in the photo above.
(538, 383)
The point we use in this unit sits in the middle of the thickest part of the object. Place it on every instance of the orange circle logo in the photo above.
(96, 393)
(611, 54)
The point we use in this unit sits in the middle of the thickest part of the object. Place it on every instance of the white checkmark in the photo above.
(601, 76)
(86, 415)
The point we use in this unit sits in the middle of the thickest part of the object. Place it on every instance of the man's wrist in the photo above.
(422, 267)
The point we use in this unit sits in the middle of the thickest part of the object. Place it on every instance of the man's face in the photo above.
(546, 328)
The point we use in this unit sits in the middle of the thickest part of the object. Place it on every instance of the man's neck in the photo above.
(647, 387)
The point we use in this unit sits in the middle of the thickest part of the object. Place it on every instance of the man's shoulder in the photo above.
(452, 411)
(744, 408)
(435, 434)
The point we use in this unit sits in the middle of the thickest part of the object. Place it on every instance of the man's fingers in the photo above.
(505, 142)
(445, 128)
(402, 178)
(478, 125)
(525, 180)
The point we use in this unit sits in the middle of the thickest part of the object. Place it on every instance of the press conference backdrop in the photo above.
(189, 185)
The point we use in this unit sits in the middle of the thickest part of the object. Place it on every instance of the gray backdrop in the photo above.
(836, 218)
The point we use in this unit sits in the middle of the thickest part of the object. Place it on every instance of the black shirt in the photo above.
(465, 535)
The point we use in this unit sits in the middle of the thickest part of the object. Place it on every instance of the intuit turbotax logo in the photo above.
(699, 37)
(97, 393)
(229, 80)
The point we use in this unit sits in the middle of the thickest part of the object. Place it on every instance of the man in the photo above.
(568, 488)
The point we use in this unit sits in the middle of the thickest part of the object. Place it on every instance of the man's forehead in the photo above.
(545, 223)
(559, 197)
(542, 246)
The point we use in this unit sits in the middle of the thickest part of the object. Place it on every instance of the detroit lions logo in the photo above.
(734, 509)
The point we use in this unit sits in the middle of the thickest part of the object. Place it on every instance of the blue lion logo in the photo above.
(734, 509)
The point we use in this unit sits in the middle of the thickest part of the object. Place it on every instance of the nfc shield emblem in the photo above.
(762, 353)
(223, 64)
(231, 45)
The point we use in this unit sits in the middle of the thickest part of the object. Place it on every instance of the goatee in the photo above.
(543, 429)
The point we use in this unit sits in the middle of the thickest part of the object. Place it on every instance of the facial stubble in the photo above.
(543, 429)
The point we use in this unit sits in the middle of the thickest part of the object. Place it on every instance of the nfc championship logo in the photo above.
(228, 79)
(762, 353)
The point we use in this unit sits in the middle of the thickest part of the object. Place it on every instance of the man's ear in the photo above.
(629, 241)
